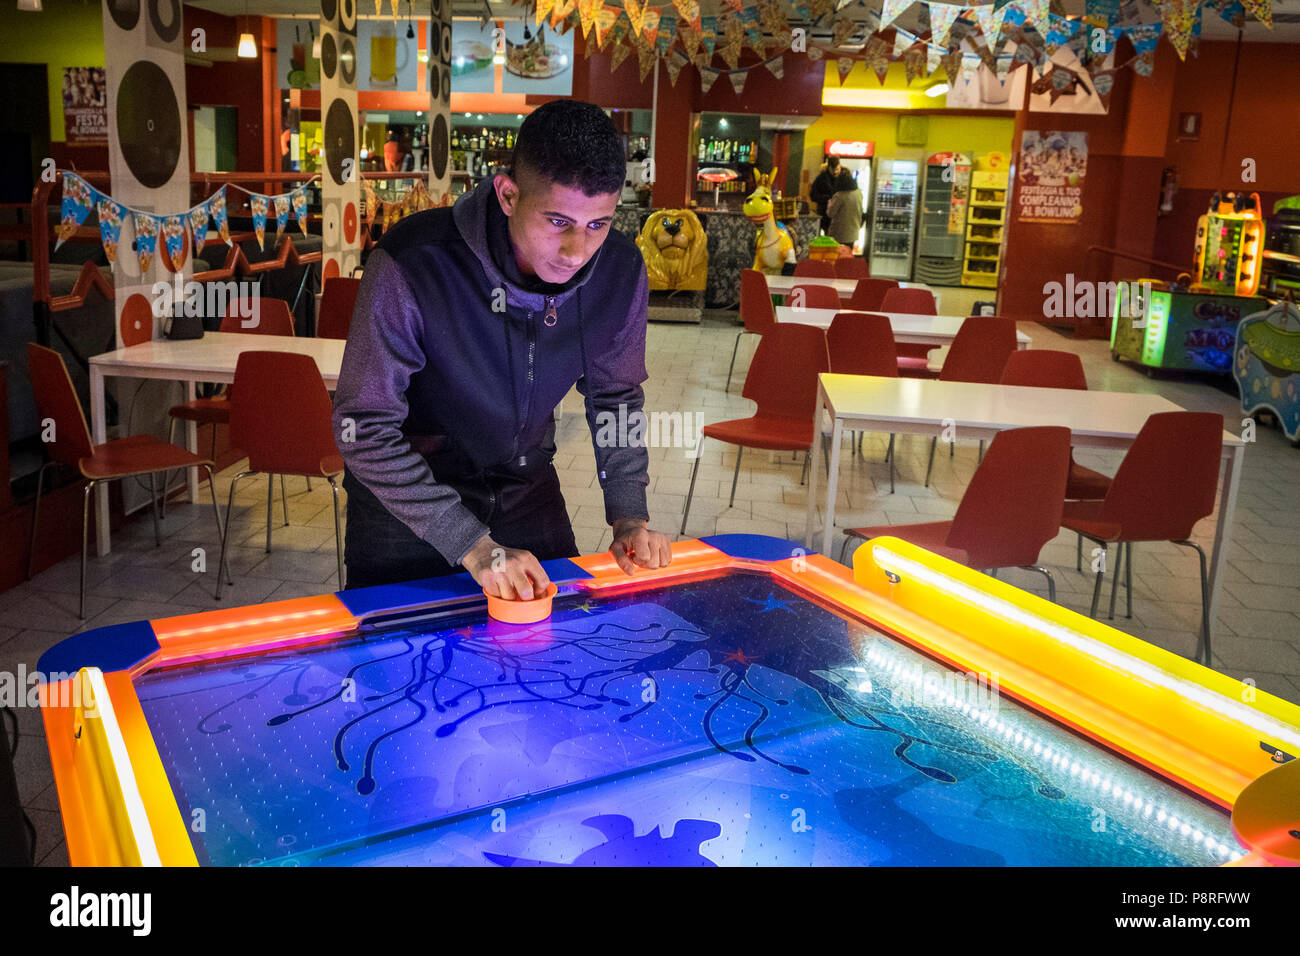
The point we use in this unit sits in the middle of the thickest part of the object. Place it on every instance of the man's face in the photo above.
(555, 230)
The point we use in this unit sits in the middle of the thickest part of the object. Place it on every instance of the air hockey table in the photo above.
(749, 704)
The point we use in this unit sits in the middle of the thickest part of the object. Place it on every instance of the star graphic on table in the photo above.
(584, 606)
(465, 632)
(771, 604)
(739, 656)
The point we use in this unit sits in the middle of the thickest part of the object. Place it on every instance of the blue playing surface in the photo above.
(727, 721)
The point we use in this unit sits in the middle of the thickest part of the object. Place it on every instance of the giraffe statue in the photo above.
(775, 247)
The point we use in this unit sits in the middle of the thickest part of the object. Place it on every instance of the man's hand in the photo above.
(505, 572)
(636, 545)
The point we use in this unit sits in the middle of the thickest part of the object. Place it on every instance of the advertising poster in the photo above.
(538, 60)
(471, 57)
(1051, 171)
(85, 106)
(296, 68)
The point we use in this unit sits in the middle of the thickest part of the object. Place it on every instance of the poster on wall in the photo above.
(471, 57)
(296, 68)
(1051, 171)
(387, 58)
(538, 60)
(85, 106)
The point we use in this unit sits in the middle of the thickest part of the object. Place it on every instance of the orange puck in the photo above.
(511, 611)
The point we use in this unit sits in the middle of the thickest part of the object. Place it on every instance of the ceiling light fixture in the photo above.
(30, 6)
(247, 45)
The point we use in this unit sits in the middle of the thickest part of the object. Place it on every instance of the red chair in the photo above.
(913, 358)
(869, 293)
(265, 317)
(281, 417)
(860, 343)
(813, 297)
(756, 311)
(814, 268)
(337, 300)
(852, 267)
(1045, 368)
(782, 381)
(915, 301)
(1166, 483)
(56, 400)
(978, 353)
(1011, 509)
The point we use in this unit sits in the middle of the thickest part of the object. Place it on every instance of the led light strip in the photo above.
(121, 770)
(1063, 762)
(1216, 702)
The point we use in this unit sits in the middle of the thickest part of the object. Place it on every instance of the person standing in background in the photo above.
(392, 153)
(845, 210)
(823, 188)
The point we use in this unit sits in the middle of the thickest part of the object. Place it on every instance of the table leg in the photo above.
(1233, 456)
(812, 471)
(832, 483)
(99, 435)
(192, 443)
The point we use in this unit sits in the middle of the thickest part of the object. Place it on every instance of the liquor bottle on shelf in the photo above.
(699, 153)
(510, 139)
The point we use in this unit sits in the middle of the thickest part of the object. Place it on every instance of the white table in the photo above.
(924, 406)
(908, 327)
(784, 285)
(209, 359)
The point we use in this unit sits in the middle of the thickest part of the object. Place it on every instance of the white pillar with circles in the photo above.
(341, 177)
(439, 145)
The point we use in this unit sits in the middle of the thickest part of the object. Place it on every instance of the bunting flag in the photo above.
(674, 65)
(635, 14)
(776, 66)
(841, 30)
(802, 11)
(560, 11)
(645, 60)
(1144, 37)
(111, 213)
(952, 66)
(298, 199)
(587, 15)
(606, 17)
(709, 34)
(649, 26)
(1037, 13)
(1261, 10)
(173, 233)
(730, 51)
(257, 203)
(772, 20)
(217, 207)
(987, 25)
(821, 8)
(78, 197)
(738, 78)
(902, 40)
(1060, 30)
(844, 66)
(1145, 63)
(942, 16)
(1177, 17)
(618, 55)
(543, 8)
(753, 32)
(932, 58)
(815, 52)
(690, 39)
(914, 61)
(667, 33)
(707, 79)
(281, 204)
(199, 224)
(146, 239)
(689, 10)
(891, 10)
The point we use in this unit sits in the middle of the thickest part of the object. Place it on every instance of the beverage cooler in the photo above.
(941, 230)
(893, 219)
(856, 156)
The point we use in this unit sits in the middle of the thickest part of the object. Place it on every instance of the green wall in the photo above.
(67, 33)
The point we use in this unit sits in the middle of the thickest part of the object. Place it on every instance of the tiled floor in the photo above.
(1256, 637)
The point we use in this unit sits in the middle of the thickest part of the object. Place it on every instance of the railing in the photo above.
(1101, 324)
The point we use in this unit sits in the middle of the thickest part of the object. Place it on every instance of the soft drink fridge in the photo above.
(893, 219)
(941, 230)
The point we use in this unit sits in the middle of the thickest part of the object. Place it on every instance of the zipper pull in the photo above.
(551, 317)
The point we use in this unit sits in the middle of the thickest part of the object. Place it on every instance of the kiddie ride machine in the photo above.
(1191, 323)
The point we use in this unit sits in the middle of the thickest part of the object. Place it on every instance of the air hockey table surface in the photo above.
(747, 705)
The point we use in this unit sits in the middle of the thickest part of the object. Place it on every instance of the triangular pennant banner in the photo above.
(942, 16)
(645, 60)
(1037, 13)
(282, 215)
(217, 206)
(606, 17)
(707, 79)
(587, 15)
(891, 10)
(901, 42)
(738, 78)
(984, 18)
(146, 239)
(932, 58)
(753, 32)
(635, 14)
(649, 25)
(77, 200)
(173, 233)
(690, 12)
(257, 203)
(674, 65)
(841, 30)
(709, 34)
(1261, 10)
(844, 66)
(111, 214)
(667, 33)
(543, 8)
(617, 55)
(776, 66)
(199, 223)
(1178, 16)
(298, 199)
(560, 12)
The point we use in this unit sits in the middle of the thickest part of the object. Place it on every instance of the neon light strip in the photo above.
(250, 622)
(121, 769)
(1214, 701)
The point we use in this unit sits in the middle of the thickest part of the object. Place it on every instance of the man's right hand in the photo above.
(508, 573)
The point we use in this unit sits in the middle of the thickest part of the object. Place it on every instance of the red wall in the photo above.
(240, 83)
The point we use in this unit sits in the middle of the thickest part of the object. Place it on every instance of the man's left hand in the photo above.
(635, 546)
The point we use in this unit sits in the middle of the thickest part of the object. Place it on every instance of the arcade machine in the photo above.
(941, 232)
(893, 221)
(1280, 269)
(1193, 326)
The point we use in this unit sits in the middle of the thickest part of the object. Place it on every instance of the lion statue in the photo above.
(675, 250)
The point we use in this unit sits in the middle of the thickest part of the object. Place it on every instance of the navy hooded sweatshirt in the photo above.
(455, 363)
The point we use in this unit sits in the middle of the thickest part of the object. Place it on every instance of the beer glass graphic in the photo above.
(387, 56)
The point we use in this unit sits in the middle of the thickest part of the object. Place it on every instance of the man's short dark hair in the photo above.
(833, 163)
(574, 144)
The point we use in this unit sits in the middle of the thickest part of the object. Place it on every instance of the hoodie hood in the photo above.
(470, 214)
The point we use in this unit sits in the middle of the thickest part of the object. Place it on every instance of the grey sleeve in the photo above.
(385, 348)
(615, 371)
